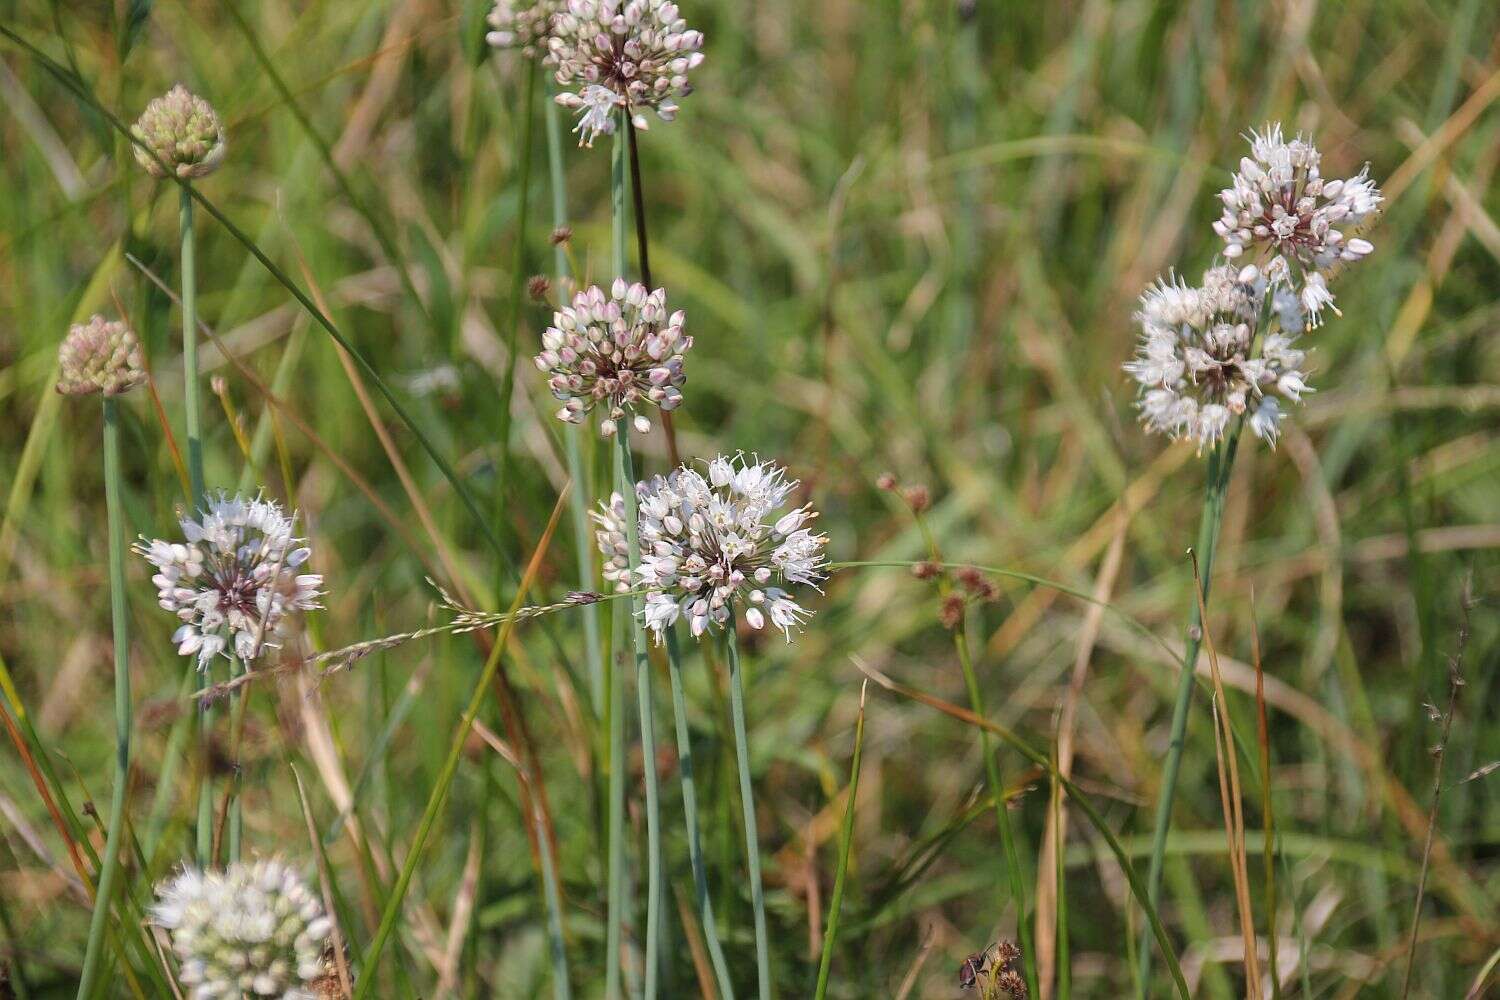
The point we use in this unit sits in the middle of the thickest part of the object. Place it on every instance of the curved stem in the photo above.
(1220, 464)
(747, 802)
(690, 813)
(119, 615)
(846, 841)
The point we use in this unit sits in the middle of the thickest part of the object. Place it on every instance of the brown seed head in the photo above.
(926, 570)
(951, 611)
(537, 286)
(917, 498)
(561, 235)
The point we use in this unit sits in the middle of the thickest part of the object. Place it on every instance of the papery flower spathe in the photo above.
(709, 542)
(620, 352)
(1296, 225)
(252, 930)
(1198, 366)
(233, 580)
(633, 55)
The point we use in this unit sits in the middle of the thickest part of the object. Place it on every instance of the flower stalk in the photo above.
(110, 872)
(747, 804)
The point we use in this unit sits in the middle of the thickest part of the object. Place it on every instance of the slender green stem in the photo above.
(690, 813)
(747, 803)
(517, 285)
(625, 482)
(1002, 811)
(846, 841)
(1220, 465)
(562, 988)
(113, 477)
(614, 674)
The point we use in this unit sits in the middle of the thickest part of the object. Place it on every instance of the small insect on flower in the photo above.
(1197, 365)
(633, 55)
(99, 356)
(252, 930)
(233, 579)
(708, 542)
(184, 133)
(1298, 225)
(993, 972)
(620, 352)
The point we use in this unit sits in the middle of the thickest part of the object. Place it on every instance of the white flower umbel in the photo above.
(1197, 363)
(635, 55)
(525, 26)
(620, 352)
(709, 541)
(253, 930)
(1293, 223)
(233, 579)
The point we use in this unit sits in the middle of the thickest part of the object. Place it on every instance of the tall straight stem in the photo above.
(625, 482)
(1002, 812)
(1220, 464)
(615, 679)
(690, 813)
(747, 803)
(113, 477)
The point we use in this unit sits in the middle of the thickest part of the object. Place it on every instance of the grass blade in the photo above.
(846, 841)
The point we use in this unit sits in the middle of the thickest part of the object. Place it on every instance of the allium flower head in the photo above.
(184, 133)
(707, 542)
(253, 930)
(99, 356)
(633, 55)
(1298, 225)
(234, 578)
(525, 26)
(1197, 363)
(619, 352)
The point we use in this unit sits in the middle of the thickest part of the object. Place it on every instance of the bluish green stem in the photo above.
(690, 812)
(561, 987)
(615, 679)
(113, 477)
(747, 803)
(1220, 465)
(625, 479)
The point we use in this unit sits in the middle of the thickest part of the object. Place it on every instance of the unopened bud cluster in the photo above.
(527, 27)
(99, 356)
(184, 133)
(619, 352)
(252, 930)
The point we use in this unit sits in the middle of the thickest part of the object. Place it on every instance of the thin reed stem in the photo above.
(690, 813)
(625, 482)
(747, 803)
(562, 988)
(1002, 811)
(113, 479)
(615, 679)
(643, 258)
(846, 841)
(517, 290)
(1220, 465)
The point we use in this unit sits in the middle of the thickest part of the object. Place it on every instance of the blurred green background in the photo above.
(908, 238)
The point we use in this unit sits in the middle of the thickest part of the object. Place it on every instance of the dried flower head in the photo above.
(252, 930)
(526, 26)
(1298, 225)
(99, 356)
(184, 133)
(633, 55)
(233, 578)
(620, 352)
(537, 287)
(951, 611)
(560, 236)
(1197, 363)
(993, 972)
(707, 542)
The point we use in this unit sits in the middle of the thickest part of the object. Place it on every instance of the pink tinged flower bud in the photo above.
(183, 133)
(99, 356)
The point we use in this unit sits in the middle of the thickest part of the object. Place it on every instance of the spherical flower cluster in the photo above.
(523, 26)
(707, 542)
(619, 352)
(1297, 224)
(184, 133)
(633, 55)
(234, 578)
(99, 356)
(253, 930)
(1197, 364)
